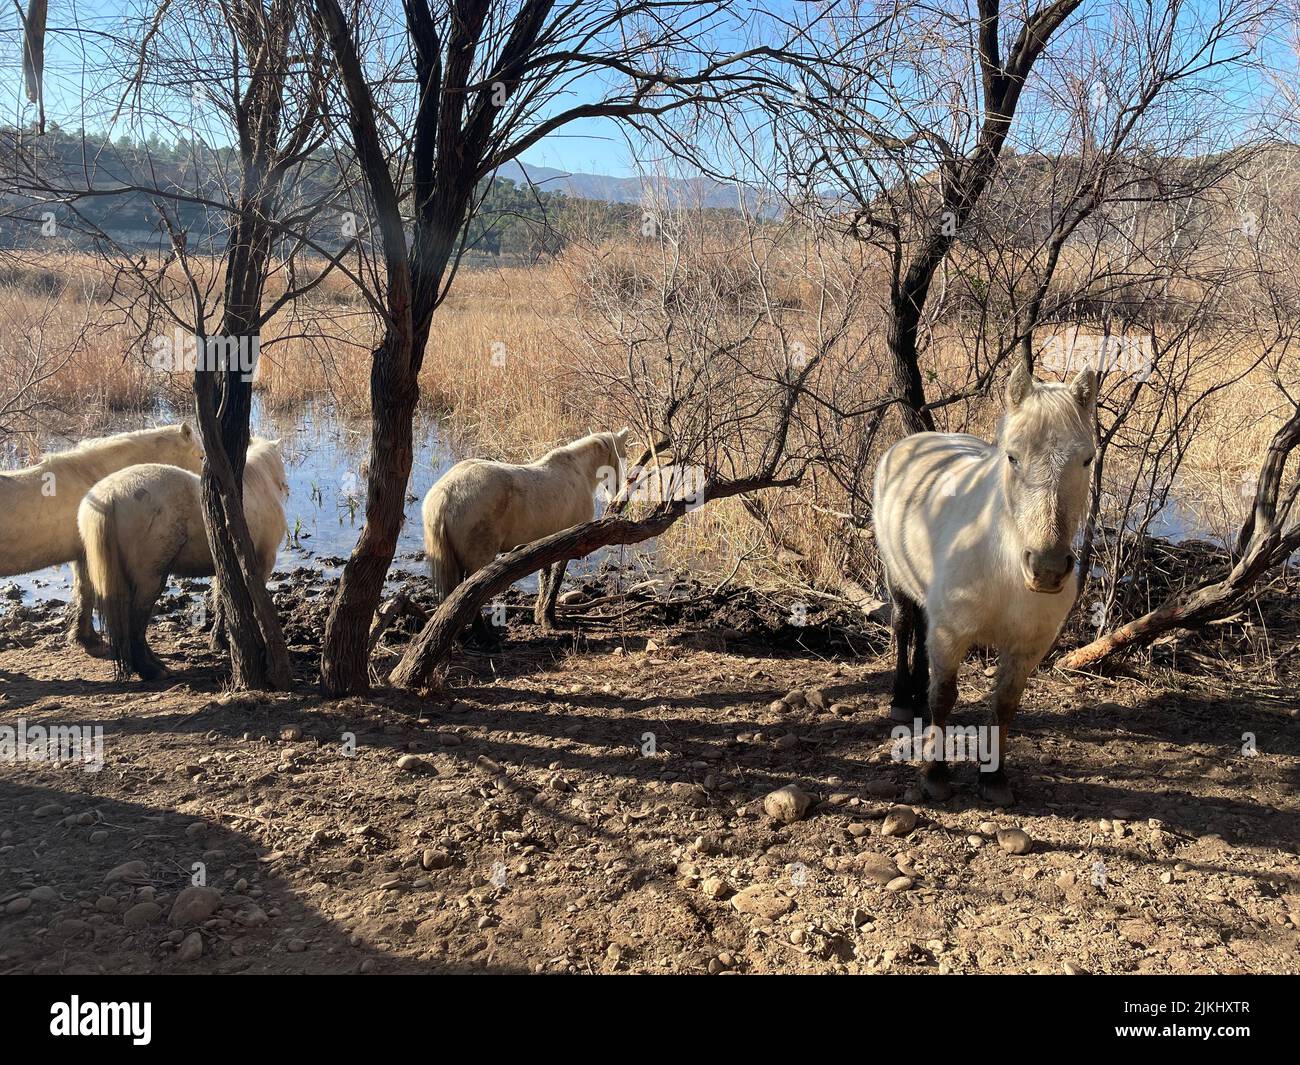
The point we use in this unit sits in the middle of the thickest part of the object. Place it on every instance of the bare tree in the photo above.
(485, 80)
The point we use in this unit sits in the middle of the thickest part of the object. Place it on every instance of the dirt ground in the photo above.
(592, 801)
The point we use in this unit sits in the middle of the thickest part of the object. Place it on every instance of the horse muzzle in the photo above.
(1046, 571)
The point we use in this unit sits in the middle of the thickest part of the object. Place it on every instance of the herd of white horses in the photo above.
(974, 537)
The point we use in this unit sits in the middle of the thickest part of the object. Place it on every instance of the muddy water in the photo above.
(325, 459)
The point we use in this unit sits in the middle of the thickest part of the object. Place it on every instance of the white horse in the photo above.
(478, 509)
(976, 542)
(38, 505)
(144, 523)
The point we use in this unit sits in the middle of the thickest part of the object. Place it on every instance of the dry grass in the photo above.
(503, 366)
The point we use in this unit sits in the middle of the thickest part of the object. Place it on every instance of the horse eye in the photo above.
(1013, 460)
(1088, 461)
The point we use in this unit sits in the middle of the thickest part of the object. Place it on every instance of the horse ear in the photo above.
(1084, 389)
(1020, 384)
(186, 431)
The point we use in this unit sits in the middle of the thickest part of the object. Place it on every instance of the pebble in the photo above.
(194, 905)
(975, 841)
(761, 902)
(485, 765)
(714, 887)
(882, 789)
(414, 763)
(899, 821)
(141, 914)
(128, 873)
(295, 946)
(191, 948)
(787, 804)
(786, 742)
(18, 905)
(989, 828)
(1015, 841)
(291, 732)
(878, 868)
(435, 858)
(900, 883)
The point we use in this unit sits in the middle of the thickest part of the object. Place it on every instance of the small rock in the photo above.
(191, 948)
(899, 821)
(141, 914)
(714, 887)
(1015, 841)
(194, 905)
(435, 858)
(878, 868)
(291, 732)
(18, 905)
(787, 804)
(761, 901)
(414, 763)
(900, 883)
(128, 873)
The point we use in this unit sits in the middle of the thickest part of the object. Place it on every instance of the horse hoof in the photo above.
(997, 793)
(936, 790)
(934, 782)
(903, 714)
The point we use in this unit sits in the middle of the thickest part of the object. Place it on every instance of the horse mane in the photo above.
(100, 445)
(604, 441)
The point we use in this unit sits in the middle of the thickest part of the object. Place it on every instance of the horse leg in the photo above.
(902, 704)
(920, 661)
(1013, 673)
(81, 625)
(944, 660)
(218, 637)
(539, 607)
(548, 593)
(141, 657)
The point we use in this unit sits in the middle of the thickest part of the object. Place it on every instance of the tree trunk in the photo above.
(259, 657)
(393, 396)
(904, 328)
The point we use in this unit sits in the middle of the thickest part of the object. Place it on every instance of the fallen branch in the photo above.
(1264, 543)
(428, 650)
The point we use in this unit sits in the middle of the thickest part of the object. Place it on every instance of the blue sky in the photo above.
(74, 67)
(76, 71)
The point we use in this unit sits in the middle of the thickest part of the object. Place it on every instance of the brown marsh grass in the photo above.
(506, 368)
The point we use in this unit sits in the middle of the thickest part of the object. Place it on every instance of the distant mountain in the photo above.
(686, 192)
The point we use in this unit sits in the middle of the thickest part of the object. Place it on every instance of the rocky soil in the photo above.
(680, 783)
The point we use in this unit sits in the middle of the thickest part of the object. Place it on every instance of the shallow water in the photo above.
(324, 457)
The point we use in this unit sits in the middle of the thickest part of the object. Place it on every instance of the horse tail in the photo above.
(444, 566)
(109, 581)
